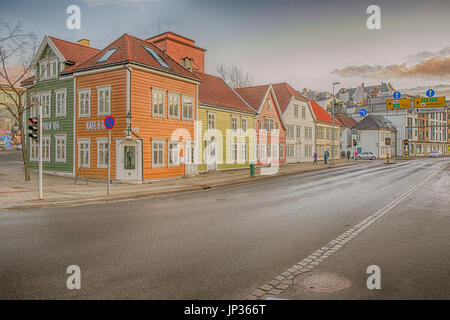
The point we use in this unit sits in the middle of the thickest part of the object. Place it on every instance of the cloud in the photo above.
(436, 67)
(123, 2)
(427, 55)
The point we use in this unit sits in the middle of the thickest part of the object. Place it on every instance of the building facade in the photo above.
(226, 127)
(52, 88)
(153, 100)
(300, 123)
(270, 128)
(325, 139)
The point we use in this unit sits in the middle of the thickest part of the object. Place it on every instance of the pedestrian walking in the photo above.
(315, 158)
(348, 155)
(325, 156)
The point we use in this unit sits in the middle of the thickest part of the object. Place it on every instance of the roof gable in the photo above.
(371, 122)
(254, 96)
(132, 49)
(320, 113)
(285, 93)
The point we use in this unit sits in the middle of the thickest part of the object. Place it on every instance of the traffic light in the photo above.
(387, 141)
(354, 142)
(405, 142)
(33, 128)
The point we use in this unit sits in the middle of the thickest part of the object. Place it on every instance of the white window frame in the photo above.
(191, 108)
(296, 109)
(211, 121)
(58, 137)
(34, 150)
(105, 149)
(46, 112)
(107, 108)
(34, 99)
(49, 65)
(171, 104)
(243, 124)
(62, 92)
(234, 123)
(46, 140)
(163, 164)
(175, 152)
(234, 151)
(282, 151)
(159, 93)
(88, 142)
(88, 100)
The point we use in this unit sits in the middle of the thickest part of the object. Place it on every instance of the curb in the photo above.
(64, 203)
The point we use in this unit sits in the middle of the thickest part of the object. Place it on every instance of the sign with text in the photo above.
(435, 102)
(398, 103)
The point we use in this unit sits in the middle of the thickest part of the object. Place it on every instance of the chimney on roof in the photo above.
(188, 63)
(84, 42)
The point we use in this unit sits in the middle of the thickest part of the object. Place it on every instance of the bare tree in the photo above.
(234, 76)
(17, 49)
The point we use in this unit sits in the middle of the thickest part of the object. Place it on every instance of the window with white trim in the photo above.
(234, 152)
(158, 146)
(84, 153)
(290, 151)
(84, 103)
(174, 106)
(244, 124)
(34, 150)
(46, 103)
(243, 152)
(295, 111)
(34, 105)
(188, 108)
(308, 151)
(60, 148)
(174, 154)
(48, 69)
(158, 103)
(281, 151)
(262, 152)
(211, 121)
(269, 124)
(290, 132)
(299, 132)
(102, 153)
(46, 148)
(61, 102)
(104, 100)
(303, 112)
(234, 123)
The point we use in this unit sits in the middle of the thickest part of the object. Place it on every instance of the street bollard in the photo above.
(252, 169)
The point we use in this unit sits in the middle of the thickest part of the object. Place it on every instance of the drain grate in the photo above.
(322, 282)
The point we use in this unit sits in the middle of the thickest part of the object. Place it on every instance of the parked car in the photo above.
(435, 154)
(366, 156)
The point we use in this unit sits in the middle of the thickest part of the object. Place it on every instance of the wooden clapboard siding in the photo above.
(117, 80)
(223, 123)
(272, 113)
(150, 127)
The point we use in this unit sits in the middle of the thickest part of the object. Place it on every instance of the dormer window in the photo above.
(48, 69)
(157, 57)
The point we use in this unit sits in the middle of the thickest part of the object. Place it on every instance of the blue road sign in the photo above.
(363, 112)
(109, 122)
(397, 95)
(430, 93)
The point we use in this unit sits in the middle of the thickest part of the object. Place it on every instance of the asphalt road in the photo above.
(224, 243)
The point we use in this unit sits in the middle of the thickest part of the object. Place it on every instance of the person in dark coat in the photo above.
(325, 156)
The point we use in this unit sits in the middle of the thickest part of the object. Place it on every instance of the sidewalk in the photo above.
(61, 191)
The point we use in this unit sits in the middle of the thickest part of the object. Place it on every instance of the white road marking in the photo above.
(313, 260)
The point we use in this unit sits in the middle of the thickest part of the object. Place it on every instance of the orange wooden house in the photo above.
(154, 102)
(270, 128)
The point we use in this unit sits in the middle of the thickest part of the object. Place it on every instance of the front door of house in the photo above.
(129, 160)
(211, 155)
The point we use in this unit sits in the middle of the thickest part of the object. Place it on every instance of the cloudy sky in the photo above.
(309, 43)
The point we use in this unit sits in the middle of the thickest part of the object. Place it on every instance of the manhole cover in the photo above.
(321, 282)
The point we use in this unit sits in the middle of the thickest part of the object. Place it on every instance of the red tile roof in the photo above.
(73, 52)
(214, 91)
(253, 95)
(345, 120)
(131, 49)
(284, 93)
(320, 113)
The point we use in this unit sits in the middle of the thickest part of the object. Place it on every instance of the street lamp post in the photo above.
(332, 124)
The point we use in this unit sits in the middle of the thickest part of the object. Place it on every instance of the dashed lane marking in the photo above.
(286, 278)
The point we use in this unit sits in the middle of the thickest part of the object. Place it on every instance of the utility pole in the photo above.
(332, 126)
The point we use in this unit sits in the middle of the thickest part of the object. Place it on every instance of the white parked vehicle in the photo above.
(366, 156)
(435, 154)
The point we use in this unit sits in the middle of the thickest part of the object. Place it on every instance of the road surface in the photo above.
(224, 243)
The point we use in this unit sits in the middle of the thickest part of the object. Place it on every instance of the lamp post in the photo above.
(332, 124)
